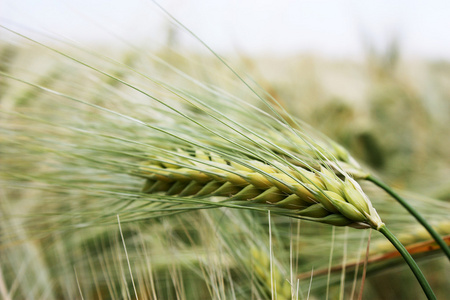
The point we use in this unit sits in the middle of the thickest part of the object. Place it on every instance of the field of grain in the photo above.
(106, 153)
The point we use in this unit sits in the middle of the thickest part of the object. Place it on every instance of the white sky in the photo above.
(329, 27)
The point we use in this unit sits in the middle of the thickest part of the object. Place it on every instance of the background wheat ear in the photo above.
(274, 281)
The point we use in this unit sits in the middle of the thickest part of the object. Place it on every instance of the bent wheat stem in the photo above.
(410, 261)
(414, 213)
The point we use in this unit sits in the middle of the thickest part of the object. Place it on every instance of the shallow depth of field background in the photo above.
(326, 28)
(374, 76)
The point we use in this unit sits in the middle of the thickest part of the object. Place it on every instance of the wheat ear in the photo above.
(261, 265)
(308, 194)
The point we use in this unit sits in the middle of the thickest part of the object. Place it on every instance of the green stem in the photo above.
(409, 260)
(414, 213)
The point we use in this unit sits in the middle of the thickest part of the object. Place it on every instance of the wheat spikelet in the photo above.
(291, 190)
(315, 149)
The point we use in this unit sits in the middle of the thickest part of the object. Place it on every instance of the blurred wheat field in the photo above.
(75, 225)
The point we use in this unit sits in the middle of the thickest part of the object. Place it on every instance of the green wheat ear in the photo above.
(261, 265)
(307, 194)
